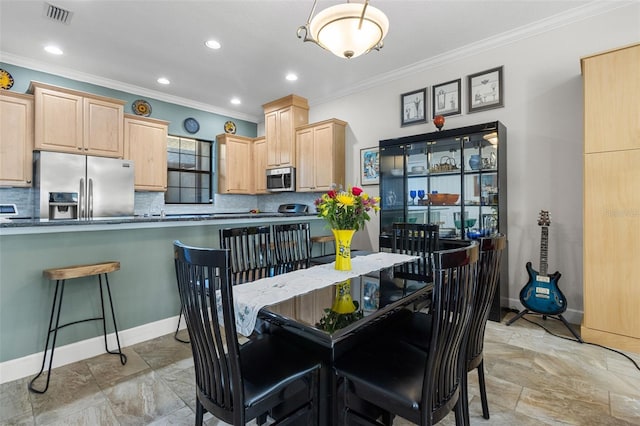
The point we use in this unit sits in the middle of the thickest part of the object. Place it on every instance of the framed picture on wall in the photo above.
(446, 98)
(413, 107)
(485, 90)
(369, 166)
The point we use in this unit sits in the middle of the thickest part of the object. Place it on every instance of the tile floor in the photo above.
(533, 378)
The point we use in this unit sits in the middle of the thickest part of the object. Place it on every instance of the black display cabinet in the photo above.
(456, 178)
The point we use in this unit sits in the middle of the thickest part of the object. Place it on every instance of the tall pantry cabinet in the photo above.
(612, 198)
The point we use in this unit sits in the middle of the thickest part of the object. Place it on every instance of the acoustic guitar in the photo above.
(541, 293)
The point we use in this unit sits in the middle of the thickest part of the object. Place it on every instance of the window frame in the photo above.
(195, 172)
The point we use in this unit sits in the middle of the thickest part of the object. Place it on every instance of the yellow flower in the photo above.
(345, 199)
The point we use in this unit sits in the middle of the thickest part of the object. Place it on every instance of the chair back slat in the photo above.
(203, 277)
(292, 243)
(454, 276)
(250, 250)
(487, 282)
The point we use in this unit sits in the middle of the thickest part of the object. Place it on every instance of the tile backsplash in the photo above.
(153, 202)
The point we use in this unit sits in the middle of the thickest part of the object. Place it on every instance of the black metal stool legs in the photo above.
(123, 357)
(60, 289)
(46, 345)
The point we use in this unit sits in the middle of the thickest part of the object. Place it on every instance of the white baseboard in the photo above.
(573, 316)
(30, 365)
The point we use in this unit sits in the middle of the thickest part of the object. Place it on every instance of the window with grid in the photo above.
(189, 171)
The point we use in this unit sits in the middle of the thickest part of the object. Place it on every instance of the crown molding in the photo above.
(123, 87)
(577, 14)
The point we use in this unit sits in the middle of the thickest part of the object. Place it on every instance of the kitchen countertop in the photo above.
(26, 226)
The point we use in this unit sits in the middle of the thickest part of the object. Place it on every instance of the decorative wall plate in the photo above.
(230, 127)
(141, 107)
(191, 125)
(6, 80)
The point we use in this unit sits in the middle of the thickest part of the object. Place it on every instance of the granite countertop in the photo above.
(25, 222)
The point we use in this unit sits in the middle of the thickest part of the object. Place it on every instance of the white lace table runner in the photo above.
(249, 298)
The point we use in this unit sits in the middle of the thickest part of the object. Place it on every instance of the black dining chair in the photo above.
(487, 278)
(417, 239)
(397, 378)
(238, 383)
(251, 256)
(250, 252)
(292, 244)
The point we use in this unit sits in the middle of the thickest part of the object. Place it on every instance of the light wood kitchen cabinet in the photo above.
(235, 175)
(259, 155)
(145, 142)
(16, 139)
(281, 119)
(611, 106)
(77, 122)
(611, 246)
(320, 156)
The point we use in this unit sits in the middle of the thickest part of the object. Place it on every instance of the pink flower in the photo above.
(331, 194)
(356, 191)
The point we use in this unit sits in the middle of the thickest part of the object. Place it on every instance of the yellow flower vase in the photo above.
(343, 248)
(343, 303)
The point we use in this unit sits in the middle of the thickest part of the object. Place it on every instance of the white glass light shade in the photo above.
(336, 29)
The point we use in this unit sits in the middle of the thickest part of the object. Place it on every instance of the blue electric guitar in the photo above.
(541, 293)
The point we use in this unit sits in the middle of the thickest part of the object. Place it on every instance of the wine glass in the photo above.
(421, 195)
(412, 194)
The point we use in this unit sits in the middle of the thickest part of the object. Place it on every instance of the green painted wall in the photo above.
(144, 290)
(211, 124)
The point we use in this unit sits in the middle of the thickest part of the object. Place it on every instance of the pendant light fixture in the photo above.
(347, 30)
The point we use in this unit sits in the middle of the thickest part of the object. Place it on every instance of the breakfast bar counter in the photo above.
(144, 289)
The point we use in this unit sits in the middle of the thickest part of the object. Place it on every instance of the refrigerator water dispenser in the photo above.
(63, 205)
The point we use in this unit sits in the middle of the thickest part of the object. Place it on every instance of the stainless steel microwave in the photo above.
(281, 179)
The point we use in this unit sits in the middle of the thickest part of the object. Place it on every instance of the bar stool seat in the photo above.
(60, 275)
(322, 239)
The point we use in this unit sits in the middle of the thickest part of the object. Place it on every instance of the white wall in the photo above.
(543, 116)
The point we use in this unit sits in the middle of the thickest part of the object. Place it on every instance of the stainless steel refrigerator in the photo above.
(83, 187)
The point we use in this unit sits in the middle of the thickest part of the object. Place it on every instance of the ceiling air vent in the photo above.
(57, 14)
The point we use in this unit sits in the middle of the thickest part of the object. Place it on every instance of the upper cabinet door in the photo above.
(103, 128)
(146, 145)
(611, 100)
(281, 118)
(58, 121)
(16, 139)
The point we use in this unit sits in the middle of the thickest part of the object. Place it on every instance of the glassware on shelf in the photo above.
(421, 195)
(463, 226)
(412, 194)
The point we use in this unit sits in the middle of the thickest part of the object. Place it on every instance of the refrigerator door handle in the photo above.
(82, 197)
(90, 203)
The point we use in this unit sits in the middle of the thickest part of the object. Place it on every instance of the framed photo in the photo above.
(413, 108)
(446, 98)
(369, 166)
(485, 90)
(370, 293)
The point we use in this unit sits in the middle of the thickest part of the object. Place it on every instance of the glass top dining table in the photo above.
(380, 295)
(377, 295)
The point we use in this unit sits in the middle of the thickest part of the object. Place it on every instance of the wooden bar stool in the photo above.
(61, 275)
(322, 239)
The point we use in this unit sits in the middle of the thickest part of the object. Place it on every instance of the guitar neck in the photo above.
(544, 250)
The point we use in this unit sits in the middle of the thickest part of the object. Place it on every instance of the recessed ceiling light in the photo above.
(235, 101)
(291, 77)
(163, 80)
(212, 44)
(54, 50)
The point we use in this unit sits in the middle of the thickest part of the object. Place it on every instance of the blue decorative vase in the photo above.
(475, 161)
